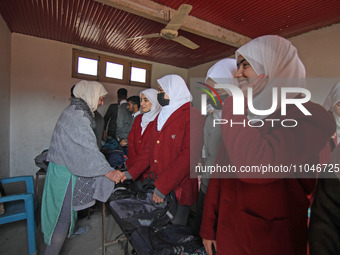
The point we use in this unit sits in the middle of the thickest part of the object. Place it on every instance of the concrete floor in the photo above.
(13, 238)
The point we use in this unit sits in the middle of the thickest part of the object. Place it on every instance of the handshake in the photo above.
(116, 176)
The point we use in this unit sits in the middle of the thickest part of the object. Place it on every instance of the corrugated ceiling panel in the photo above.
(255, 18)
(91, 24)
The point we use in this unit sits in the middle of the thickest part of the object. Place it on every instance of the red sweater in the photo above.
(167, 154)
(265, 216)
(136, 140)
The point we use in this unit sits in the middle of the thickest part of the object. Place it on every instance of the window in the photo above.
(138, 74)
(99, 67)
(114, 70)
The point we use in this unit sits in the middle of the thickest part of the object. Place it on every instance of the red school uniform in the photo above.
(137, 140)
(167, 154)
(265, 216)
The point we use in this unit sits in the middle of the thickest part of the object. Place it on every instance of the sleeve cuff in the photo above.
(128, 175)
(158, 193)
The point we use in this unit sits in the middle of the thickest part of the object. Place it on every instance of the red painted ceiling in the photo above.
(91, 24)
(254, 18)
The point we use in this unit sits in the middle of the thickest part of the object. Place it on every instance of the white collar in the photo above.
(134, 115)
(122, 102)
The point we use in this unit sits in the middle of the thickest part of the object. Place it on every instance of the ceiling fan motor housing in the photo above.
(168, 33)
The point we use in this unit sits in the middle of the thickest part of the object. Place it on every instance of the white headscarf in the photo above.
(277, 58)
(90, 92)
(149, 116)
(175, 87)
(331, 100)
(223, 69)
(221, 72)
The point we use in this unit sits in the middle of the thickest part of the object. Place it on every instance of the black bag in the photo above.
(168, 240)
(40, 160)
(116, 158)
(132, 206)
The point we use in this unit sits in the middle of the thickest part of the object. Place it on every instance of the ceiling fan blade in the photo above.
(144, 36)
(179, 17)
(186, 42)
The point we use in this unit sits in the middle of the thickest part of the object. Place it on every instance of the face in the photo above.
(145, 103)
(336, 108)
(160, 90)
(245, 72)
(101, 101)
(130, 106)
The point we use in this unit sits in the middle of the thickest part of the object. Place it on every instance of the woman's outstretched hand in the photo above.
(115, 176)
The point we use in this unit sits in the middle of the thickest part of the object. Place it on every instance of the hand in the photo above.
(104, 135)
(157, 199)
(115, 176)
(123, 143)
(257, 85)
(208, 244)
(123, 178)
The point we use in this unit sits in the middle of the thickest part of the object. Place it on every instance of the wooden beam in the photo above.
(160, 13)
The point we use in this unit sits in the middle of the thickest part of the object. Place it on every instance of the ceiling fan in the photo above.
(170, 32)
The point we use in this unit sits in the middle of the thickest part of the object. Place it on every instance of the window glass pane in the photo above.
(87, 66)
(138, 74)
(114, 70)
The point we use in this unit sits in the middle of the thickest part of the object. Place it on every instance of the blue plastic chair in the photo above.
(20, 207)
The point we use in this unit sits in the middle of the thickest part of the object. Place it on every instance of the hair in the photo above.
(72, 95)
(122, 93)
(135, 100)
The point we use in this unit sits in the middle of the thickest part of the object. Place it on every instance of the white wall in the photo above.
(5, 72)
(319, 50)
(40, 89)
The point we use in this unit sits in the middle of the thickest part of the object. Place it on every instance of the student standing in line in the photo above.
(167, 153)
(221, 72)
(110, 117)
(141, 128)
(133, 107)
(244, 215)
(124, 118)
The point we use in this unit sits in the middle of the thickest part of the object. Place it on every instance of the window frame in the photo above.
(84, 54)
(101, 72)
(145, 66)
(102, 68)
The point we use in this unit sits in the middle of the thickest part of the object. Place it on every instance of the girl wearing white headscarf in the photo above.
(140, 131)
(277, 59)
(221, 72)
(259, 213)
(78, 172)
(176, 89)
(167, 152)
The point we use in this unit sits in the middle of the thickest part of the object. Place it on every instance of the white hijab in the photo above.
(90, 92)
(331, 100)
(277, 58)
(223, 69)
(175, 87)
(221, 72)
(149, 116)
